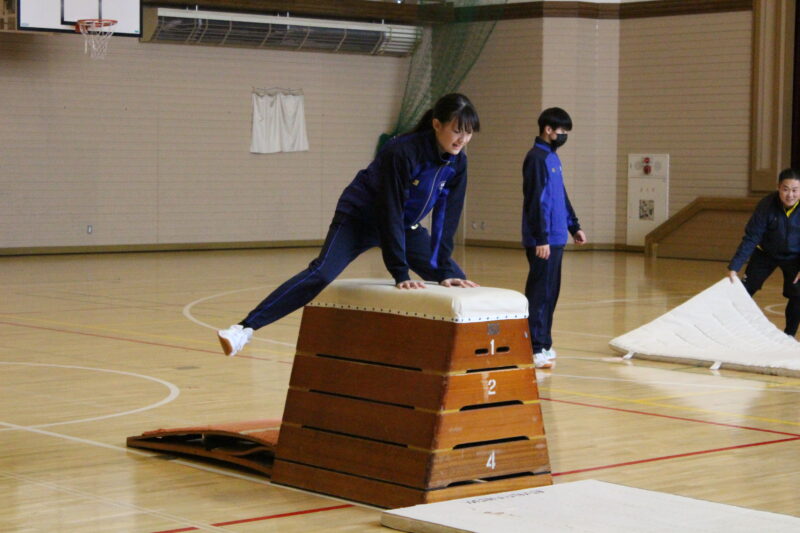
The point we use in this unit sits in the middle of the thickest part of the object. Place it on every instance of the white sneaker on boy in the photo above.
(551, 353)
(234, 338)
(540, 360)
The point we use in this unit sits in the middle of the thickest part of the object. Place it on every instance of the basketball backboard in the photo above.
(61, 15)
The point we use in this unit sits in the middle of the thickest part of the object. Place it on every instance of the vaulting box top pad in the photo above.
(434, 302)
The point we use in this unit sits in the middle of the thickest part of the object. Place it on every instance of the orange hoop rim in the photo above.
(90, 24)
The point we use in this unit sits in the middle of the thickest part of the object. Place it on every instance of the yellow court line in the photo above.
(687, 395)
(783, 384)
(677, 407)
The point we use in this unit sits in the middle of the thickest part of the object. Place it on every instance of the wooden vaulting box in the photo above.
(405, 397)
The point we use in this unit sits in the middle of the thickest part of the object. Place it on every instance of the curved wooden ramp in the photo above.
(248, 444)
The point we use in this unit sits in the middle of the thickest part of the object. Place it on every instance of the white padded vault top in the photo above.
(586, 506)
(434, 302)
(722, 326)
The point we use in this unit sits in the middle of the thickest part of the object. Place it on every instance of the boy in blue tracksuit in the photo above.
(772, 240)
(411, 176)
(547, 222)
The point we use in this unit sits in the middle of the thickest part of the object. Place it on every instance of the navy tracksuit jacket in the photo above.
(772, 240)
(547, 218)
(772, 230)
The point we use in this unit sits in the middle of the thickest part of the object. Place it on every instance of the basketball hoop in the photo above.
(96, 33)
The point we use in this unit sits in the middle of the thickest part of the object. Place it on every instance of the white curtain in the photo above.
(279, 121)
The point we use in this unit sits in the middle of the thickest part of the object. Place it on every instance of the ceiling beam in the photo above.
(338, 9)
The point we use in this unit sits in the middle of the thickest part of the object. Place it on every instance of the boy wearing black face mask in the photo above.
(547, 221)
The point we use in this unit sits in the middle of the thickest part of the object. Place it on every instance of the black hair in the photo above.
(555, 117)
(789, 174)
(453, 106)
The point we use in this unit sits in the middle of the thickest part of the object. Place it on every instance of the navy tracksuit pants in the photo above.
(347, 238)
(760, 267)
(542, 289)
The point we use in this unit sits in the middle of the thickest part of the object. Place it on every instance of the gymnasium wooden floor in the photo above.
(95, 348)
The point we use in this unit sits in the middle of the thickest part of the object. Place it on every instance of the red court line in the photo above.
(124, 339)
(632, 411)
(792, 437)
(137, 341)
(676, 456)
(260, 518)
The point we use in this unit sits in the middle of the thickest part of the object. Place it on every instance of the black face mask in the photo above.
(560, 139)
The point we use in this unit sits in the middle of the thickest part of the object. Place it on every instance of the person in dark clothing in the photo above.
(547, 222)
(772, 240)
(412, 175)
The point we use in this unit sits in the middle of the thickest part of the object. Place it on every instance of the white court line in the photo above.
(134, 451)
(770, 309)
(152, 454)
(679, 384)
(174, 392)
(114, 503)
(33, 429)
(282, 487)
(603, 358)
(187, 312)
(583, 334)
(656, 298)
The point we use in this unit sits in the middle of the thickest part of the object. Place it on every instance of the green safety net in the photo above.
(443, 57)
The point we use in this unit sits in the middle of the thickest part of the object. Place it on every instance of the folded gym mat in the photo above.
(721, 327)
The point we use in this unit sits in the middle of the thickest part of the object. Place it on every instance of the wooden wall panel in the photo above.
(581, 75)
(170, 164)
(685, 91)
(151, 145)
(529, 65)
(773, 67)
(505, 85)
(707, 228)
(691, 240)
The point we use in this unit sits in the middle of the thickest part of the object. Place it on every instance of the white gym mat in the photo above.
(721, 327)
(584, 506)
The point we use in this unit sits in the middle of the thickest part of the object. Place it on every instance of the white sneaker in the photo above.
(551, 353)
(234, 338)
(540, 360)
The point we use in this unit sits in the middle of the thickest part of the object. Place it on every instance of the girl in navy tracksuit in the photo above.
(547, 222)
(383, 206)
(772, 240)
